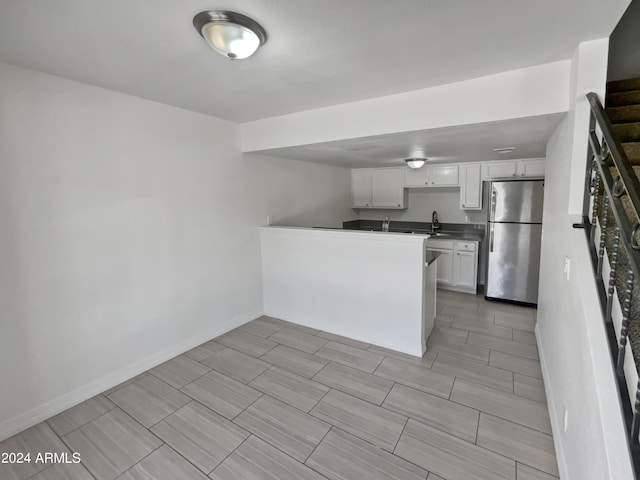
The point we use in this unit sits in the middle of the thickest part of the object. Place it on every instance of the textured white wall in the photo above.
(571, 338)
(128, 233)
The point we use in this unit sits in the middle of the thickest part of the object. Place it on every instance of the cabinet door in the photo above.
(416, 178)
(493, 170)
(470, 187)
(361, 187)
(386, 187)
(444, 175)
(531, 168)
(444, 266)
(464, 265)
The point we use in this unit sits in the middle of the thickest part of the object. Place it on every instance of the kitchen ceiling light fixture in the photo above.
(231, 34)
(415, 163)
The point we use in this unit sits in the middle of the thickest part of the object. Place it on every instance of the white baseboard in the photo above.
(556, 427)
(47, 410)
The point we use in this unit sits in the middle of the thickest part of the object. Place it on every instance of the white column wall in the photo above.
(581, 393)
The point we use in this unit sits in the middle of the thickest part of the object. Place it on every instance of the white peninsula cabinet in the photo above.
(457, 265)
(378, 188)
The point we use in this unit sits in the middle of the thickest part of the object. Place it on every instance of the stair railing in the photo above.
(610, 184)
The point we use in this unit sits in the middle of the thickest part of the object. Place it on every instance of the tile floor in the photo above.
(273, 400)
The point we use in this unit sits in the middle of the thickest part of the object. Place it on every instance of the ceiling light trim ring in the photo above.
(221, 17)
(416, 163)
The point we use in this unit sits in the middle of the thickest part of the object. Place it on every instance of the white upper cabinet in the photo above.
(444, 176)
(416, 177)
(470, 186)
(387, 190)
(531, 168)
(361, 188)
(507, 169)
(432, 176)
(523, 168)
(378, 188)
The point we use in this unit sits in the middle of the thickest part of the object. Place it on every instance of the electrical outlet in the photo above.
(269, 219)
(565, 419)
(567, 268)
(467, 218)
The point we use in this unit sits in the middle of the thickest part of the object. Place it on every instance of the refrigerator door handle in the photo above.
(492, 208)
(491, 237)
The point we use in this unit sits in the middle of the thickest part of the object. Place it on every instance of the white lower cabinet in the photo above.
(457, 264)
(445, 266)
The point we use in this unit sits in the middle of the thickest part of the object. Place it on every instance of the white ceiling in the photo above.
(319, 52)
(464, 143)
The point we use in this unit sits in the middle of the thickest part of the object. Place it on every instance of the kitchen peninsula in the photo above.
(377, 287)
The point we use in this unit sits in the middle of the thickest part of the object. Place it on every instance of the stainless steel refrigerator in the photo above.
(515, 234)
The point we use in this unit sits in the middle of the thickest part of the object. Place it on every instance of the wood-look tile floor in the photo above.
(273, 400)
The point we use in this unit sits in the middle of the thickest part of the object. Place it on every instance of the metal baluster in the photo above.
(596, 202)
(635, 425)
(603, 231)
(612, 274)
(604, 152)
(624, 331)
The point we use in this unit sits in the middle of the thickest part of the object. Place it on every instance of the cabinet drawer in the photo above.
(462, 246)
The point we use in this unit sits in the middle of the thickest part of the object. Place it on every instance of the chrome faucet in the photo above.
(435, 224)
(385, 224)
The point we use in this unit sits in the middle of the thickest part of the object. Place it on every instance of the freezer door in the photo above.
(519, 201)
(513, 262)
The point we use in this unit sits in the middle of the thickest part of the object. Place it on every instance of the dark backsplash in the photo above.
(417, 227)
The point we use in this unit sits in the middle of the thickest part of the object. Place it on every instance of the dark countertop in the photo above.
(453, 231)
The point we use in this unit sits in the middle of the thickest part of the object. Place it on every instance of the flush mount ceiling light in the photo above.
(415, 162)
(230, 34)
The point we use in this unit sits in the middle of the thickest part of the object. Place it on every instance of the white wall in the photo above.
(624, 46)
(571, 338)
(422, 203)
(128, 233)
(514, 94)
(304, 194)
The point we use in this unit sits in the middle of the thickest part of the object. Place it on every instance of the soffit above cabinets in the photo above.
(318, 53)
(464, 143)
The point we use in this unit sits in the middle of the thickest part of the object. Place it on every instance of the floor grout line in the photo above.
(447, 308)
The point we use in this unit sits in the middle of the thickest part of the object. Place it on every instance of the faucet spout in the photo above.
(435, 223)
